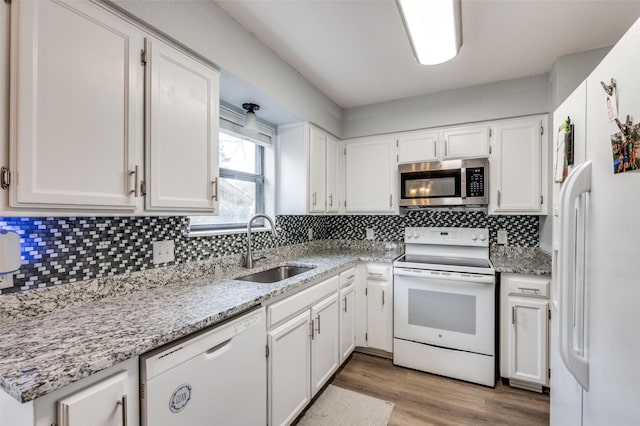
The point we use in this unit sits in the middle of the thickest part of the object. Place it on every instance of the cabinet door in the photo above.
(347, 322)
(417, 146)
(333, 175)
(516, 164)
(317, 168)
(182, 131)
(380, 315)
(325, 353)
(465, 142)
(75, 106)
(103, 403)
(528, 340)
(289, 386)
(370, 175)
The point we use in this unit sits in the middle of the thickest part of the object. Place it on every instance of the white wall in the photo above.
(567, 74)
(205, 28)
(502, 99)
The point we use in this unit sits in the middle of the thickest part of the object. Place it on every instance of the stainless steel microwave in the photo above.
(444, 183)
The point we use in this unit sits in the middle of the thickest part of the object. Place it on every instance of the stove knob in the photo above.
(474, 236)
(483, 237)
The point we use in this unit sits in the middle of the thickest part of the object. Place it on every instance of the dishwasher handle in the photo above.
(217, 347)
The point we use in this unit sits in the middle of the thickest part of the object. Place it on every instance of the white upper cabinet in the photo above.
(181, 131)
(465, 142)
(75, 108)
(370, 175)
(311, 173)
(333, 179)
(518, 165)
(317, 170)
(415, 147)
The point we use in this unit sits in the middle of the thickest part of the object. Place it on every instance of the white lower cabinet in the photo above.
(528, 336)
(375, 316)
(325, 341)
(289, 381)
(104, 403)
(106, 398)
(524, 347)
(347, 321)
(303, 351)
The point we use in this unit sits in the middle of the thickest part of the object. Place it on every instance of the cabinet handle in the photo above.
(446, 147)
(215, 189)
(318, 329)
(135, 190)
(330, 200)
(390, 200)
(435, 152)
(123, 403)
(535, 290)
(382, 297)
(315, 196)
(513, 315)
(498, 198)
(345, 304)
(312, 330)
(350, 277)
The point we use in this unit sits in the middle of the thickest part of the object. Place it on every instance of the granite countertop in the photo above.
(521, 260)
(46, 352)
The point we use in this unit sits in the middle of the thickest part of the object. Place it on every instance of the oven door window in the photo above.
(443, 311)
(435, 184)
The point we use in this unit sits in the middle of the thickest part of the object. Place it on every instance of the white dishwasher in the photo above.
(215, 377)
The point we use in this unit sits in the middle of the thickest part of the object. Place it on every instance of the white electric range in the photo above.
(445, 304)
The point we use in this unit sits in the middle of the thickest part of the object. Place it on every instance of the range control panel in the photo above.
(447, 236)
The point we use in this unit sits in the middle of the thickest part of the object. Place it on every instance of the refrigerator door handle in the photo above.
(578, 183)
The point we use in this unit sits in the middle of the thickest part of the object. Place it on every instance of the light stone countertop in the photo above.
(42, 353)
(521, 260)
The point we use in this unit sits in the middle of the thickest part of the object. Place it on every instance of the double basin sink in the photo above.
(276, 274)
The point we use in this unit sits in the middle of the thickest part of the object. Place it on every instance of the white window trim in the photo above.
(231, 120)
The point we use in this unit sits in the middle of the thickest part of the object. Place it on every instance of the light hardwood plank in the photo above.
(427, 399)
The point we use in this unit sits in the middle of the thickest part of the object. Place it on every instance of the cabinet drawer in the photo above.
(378, 272)
(289, 306)
(347, 277)
(529, 286)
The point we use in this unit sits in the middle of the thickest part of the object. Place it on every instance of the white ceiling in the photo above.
(357, 51)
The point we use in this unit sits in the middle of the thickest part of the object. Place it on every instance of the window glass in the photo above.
(240, 187)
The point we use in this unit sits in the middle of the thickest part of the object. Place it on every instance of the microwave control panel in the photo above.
(475, 182)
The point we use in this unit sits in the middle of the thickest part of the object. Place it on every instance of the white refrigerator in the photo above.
(595, 336)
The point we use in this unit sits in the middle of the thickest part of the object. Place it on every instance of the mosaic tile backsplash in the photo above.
(62, 250)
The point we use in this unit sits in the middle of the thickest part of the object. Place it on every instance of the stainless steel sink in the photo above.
(276, 274)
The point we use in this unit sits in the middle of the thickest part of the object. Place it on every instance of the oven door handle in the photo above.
(446, 276)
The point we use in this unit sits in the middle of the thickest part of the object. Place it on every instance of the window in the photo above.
(241, 185)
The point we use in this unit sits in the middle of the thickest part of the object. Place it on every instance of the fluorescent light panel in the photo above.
(434, 28)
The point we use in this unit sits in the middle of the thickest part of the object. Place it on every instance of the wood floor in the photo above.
(425, 399)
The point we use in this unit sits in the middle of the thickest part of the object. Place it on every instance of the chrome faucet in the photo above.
(248, 263)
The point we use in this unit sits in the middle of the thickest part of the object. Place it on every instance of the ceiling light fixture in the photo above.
(250, 123)
(434, 28)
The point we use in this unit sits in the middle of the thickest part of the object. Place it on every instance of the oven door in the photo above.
(447, 309)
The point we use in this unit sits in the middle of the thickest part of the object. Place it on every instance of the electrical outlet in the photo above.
(370, 233)
(310, 234)
(6, 280)
(163, 251)
(503, 236)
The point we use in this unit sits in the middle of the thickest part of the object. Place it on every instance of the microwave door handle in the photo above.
(463, 182)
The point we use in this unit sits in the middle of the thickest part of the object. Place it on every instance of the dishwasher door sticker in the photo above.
(180, 398)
